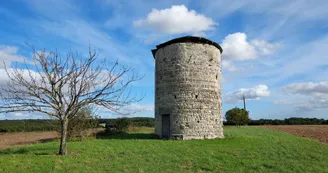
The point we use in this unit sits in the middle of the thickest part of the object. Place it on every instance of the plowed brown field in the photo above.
(25, 138)
(315, 132)
(22, 138)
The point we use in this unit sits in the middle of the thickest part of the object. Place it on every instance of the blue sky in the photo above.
(274, 52)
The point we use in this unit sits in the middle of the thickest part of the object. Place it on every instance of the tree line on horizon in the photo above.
(51, 125)
(238, 116)
(30, 125)
(289, 121)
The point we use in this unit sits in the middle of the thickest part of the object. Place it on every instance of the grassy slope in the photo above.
(246, 149)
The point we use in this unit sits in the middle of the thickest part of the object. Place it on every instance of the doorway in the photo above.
(166, 126)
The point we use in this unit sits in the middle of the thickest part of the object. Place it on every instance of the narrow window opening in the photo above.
(161, 77)
(216, 77)
(175, 97)
(196, 96)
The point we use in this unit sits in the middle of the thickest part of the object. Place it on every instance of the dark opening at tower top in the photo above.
(187, 39)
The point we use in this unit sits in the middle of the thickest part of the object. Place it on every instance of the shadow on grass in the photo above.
(47, 140)
(37, 151)
(127, 136)
(14, 151)
(19, 148)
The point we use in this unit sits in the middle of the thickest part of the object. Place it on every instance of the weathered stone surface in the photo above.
(188, 88)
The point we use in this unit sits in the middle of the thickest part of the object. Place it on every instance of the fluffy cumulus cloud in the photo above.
(315, 95)
(176, 20)
(237, 47)
(254, 93)
(8, 54)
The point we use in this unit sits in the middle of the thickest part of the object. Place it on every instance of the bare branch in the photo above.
(61, 86)
(65, 85)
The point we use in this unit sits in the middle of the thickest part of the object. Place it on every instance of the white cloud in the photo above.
(264, 47)
(8, 54)
(19, 114)
(300, 64)
(284, 102)
(254, 93)
(309, 88)
(315, 95)
(227, 65)
(315, 103)
(117, 21)
(132, 110)
(176, 20)
(24, 115)
(66, 21)
(4, 79)
(306, 104)
(301, 10)
(139, 107)
(236, 47)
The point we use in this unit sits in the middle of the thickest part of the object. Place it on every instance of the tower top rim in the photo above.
(186, 39)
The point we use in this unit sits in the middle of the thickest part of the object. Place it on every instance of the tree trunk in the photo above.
(63, 137)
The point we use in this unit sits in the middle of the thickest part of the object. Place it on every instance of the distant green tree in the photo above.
(120, 125)
(237, 116)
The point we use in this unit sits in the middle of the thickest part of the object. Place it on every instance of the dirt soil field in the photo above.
(315, 132)
(22, 138)
(26, 138)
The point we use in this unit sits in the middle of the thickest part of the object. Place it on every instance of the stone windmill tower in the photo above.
(188, 89)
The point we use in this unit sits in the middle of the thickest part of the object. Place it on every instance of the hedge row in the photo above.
(135, 121)
(28, 125)
(289, 121)
(50, 125)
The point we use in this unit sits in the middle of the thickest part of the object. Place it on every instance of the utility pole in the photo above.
(244, 102)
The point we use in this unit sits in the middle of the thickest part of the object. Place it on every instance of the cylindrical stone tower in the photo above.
(188, 89)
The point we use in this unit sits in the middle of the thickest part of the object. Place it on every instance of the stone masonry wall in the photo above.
(188, 87)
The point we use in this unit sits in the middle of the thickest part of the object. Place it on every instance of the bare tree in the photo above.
(60, 86)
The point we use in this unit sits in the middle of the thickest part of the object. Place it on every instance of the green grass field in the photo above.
(245, 149)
